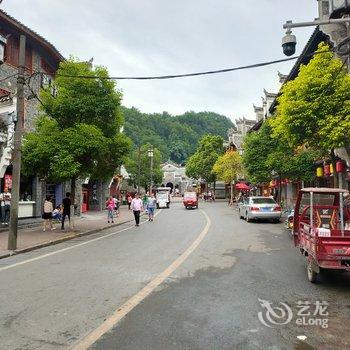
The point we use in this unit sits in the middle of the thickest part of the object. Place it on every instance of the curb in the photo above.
(62, 239)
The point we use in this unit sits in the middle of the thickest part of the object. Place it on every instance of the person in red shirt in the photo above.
(110, 207)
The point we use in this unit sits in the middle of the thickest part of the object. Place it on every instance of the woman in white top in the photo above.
(47, 213)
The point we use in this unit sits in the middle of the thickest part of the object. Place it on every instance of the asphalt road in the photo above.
(52, 298)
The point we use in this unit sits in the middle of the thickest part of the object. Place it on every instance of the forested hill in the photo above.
(175, 136)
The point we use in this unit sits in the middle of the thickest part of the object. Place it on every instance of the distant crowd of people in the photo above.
(208, 196)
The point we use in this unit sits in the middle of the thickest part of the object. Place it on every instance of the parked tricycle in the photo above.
(319, 230)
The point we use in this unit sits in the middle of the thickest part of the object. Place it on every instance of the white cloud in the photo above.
(156, 37)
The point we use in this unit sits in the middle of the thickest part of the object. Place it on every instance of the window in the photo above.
(12, 53)
(265, 200)
(29, 58)
(47, 67)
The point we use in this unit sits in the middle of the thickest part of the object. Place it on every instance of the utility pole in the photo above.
(150, 189)
(17, 144)
(138, 169)
(150, 155)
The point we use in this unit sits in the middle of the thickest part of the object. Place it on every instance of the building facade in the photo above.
(174, 176)
(40, 56)
(236, 135)
(325, 175)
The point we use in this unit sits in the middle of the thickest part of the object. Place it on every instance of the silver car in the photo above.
(264, 208)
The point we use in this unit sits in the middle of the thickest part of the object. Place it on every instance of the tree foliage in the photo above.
(228, 166)
(264, 154)
(85, 100)
(314, 108)
(79, 131)
(201, 163)
(175, 136)
(139, 160)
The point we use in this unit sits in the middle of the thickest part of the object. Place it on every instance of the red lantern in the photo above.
(339, 166)
(327, 170)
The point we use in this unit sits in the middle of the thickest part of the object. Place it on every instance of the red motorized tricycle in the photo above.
(190, 200)
(319, 230)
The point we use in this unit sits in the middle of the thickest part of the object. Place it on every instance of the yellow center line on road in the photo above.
(122, 311)
(71, 247)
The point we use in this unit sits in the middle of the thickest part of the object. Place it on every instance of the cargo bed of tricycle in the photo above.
(319, 230)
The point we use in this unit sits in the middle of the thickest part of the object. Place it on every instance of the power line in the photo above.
(8, 77)
(160, 77)
(186, 75)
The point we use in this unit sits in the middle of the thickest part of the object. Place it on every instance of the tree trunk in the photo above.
(72, 197)
(231, 201)
(280, 190)
(335, 175)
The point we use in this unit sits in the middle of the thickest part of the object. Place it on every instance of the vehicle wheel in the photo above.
(167, 205)
(277, 221)
(157, 206)
(247, 217)
(311, 274)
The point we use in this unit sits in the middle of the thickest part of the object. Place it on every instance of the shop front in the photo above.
(332, 176)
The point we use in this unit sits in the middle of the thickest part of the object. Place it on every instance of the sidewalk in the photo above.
(34, 237)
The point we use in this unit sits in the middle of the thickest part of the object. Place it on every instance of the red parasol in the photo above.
(242, 186)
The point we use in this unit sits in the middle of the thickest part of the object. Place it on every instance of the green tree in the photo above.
(314, 108)
(175, 136)
(139, 162)
(201, 163)
(79, 131)
(228, 167)
(264, 153)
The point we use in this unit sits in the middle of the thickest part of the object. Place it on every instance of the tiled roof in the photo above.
(31, 33)
(5, 95)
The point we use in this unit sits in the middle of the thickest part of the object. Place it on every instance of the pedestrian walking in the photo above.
(110, 205)
(6, 206)
(129, 199)
(116, 205)
(151, 207)
(137, 207)
(47, 213)
(66, 204)
(144, 200)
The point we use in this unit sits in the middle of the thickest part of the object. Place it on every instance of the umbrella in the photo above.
(242, 186)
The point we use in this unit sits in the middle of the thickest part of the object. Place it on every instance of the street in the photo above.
(53, 297)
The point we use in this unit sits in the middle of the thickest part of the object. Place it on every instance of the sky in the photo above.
(161, 37)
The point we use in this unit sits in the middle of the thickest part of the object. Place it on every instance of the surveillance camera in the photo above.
(289, 43)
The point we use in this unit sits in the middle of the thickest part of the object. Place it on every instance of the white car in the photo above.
(259, 208)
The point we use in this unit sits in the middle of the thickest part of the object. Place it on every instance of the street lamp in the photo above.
(150, 155)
